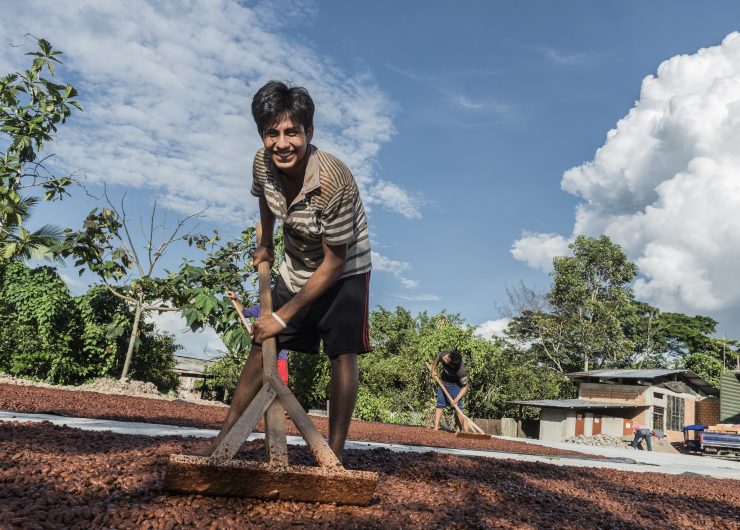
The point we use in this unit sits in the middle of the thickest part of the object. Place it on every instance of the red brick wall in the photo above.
(689, 412)
(611, 393)
(707, 411)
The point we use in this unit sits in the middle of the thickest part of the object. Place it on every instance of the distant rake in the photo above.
(470, 429)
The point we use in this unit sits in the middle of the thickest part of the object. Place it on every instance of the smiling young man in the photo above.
(321, 295)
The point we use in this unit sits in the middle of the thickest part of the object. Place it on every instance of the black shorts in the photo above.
(339, 318)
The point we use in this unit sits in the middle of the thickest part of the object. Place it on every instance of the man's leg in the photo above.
(345, 381)
(250, 382)
(635, 440)
(437, 417)
(647, 441)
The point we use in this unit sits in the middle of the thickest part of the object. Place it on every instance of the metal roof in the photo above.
(691, 377)
(627, 374)
(576, 404)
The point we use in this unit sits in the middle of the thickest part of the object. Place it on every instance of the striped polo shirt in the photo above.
(328, 208)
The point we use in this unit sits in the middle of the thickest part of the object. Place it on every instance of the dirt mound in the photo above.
(129, 387)
(103, 385)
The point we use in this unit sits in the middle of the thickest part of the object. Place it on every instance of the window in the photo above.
(658, 415)
(675, 414)
(657, 395)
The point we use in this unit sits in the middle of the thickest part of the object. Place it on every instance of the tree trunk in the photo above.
(132, 339)
(585, 363)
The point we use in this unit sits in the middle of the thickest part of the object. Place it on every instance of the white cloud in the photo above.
(409, 284)
(74, 283)
(419, 297)
(568, 59)
(538, 250)
(204, 344)
(493, 328)
(396, 268)
(167, 89)
(666, 184)
(467, 103)
(394, 198)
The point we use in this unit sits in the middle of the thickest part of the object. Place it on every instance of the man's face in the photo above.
(286, 143)
(446, 358)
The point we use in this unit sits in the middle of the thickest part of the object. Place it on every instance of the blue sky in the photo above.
(458, 120)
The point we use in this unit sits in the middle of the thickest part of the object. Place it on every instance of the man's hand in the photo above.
(265, 327)
(232, 296)
(454, 403)
(263, 254)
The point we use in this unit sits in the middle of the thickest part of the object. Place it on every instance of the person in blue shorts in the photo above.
(455, 379)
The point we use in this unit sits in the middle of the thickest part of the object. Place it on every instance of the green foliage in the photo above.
(395, 385)
(155, 361)
(224, 375)
(590, 319)
(371, 407)
(47, 334)
(706, 366)
(36, 337)
(309, 378)
(31, 108)
(581, 324)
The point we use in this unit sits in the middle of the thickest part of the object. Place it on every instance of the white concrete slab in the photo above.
(621, 459)
(680, 463)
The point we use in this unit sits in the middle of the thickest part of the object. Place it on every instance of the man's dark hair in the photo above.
(276, 100)
(455, 357)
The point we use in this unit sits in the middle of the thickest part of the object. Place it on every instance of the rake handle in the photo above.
(244, 320)
(457, 408)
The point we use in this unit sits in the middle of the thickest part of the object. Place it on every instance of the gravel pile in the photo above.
(603, 440)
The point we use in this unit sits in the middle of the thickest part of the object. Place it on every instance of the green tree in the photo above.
(47, 334)
(706, 366)
(580, 325)
(31, 108)
(396, 386)
(36, 338)
(690, 344)
(106, 246)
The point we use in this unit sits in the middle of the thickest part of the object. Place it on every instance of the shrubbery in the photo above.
(49, 335)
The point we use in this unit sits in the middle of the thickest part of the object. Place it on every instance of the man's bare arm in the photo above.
(264, 250)
(267, 218)
(463, 391)
(320, 281)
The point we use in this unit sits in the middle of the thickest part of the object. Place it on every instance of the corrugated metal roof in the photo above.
(649, 375)
(627, 374)
(576, 404)
(729, 399)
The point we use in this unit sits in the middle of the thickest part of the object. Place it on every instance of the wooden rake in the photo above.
(470, 429)
(221, 474)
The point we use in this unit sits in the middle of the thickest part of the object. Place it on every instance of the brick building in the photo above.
(611, 401)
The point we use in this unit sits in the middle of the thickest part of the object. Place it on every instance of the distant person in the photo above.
(641, 432)
(254, 312)
(455, 379)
